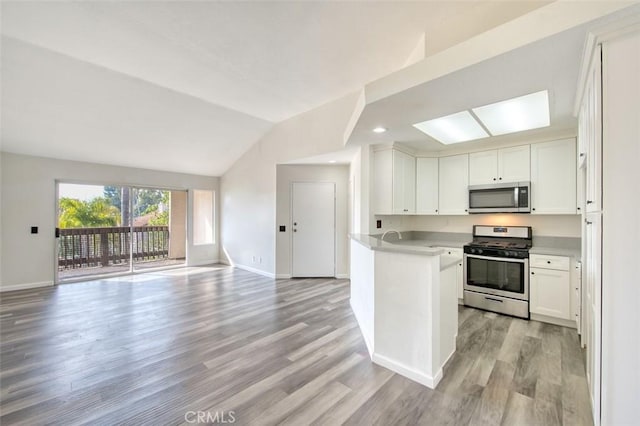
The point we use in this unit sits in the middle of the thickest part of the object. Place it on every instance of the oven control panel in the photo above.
(494, 252)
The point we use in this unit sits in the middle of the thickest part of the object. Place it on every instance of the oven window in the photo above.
(495, 274)
(487, 198)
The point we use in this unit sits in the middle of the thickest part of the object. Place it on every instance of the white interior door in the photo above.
(313, 229)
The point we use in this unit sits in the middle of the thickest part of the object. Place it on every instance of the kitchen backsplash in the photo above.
(543, 225)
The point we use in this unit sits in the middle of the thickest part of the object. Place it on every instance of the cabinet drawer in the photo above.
(559, 263)
(452, 251)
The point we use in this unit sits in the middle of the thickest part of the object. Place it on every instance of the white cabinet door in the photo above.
(427, 185)
(553, 177)
(409, 183)
(550, 293)
(593, 134)
(514, 164)
(483, 167)
(453, 185)
(398, 182)
(460, 280)
(394, 183)
(382, 182)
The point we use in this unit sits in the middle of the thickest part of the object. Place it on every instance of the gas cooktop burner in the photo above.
(500, 245)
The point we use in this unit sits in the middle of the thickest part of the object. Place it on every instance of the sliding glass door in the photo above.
(159, 228)
(106, 230)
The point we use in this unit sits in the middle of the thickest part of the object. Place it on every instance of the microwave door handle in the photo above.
(516, 204)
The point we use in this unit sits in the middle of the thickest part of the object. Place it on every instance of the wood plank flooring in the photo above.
(218, 345)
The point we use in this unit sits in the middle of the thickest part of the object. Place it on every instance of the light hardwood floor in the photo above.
(154, 348)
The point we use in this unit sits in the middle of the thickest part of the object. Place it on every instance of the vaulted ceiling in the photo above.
(190, 86)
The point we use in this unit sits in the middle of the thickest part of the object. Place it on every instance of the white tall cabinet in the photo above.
(609, 113)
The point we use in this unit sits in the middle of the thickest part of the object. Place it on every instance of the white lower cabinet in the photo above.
(449, 251)
(550, 286)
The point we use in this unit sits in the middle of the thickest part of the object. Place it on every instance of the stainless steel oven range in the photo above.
(496, 269)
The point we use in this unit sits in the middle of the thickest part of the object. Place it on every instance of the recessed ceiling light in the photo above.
(379, 130)
(454, 128)
(332, 161)
(515, 115)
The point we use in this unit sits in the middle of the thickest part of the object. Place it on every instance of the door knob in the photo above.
(295, 230)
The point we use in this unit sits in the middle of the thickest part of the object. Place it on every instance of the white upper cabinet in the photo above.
(426, 186)
(453, 185)
(514, 164)
(499, 165)
(483, 167)
(394, 182)
(553, 177)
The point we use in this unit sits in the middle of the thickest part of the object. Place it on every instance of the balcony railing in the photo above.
(91, 247)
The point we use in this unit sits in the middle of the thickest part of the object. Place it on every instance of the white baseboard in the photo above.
(254, 270)
(204, 262)
(342, 276)
(26, 286)
(283, 276)
(408, 372)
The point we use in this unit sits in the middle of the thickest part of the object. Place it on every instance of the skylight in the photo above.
(454, 128)
(513, 115)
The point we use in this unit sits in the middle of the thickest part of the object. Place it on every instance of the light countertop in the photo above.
(555, 251)
(420, 247)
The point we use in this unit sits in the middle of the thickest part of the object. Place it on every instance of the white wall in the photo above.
(248, 189)
(29, 199)
(620, 232)
(286, 175)
(363, 291)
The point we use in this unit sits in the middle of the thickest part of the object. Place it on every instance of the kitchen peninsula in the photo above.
(404, 297)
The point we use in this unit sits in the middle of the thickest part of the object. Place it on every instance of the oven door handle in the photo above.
(497, 259)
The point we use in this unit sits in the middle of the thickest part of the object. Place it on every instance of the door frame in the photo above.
(335, 227)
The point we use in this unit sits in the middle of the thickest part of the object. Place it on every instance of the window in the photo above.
(202, 217)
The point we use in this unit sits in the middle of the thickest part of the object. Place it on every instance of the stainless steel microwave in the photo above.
(500, 198)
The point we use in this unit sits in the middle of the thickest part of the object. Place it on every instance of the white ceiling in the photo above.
(552, 64)
(190, 86)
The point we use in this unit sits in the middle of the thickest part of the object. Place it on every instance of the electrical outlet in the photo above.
(253, 259)
(378, 224)
(260, 259)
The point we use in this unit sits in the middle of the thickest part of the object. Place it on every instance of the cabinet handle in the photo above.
(499, 178)
(466, 210)
(589, 223)
(436, 210)
(533, 209)
(579, 208)
(582, 154)
(533, 273)
(494, 178)
(589, 202)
